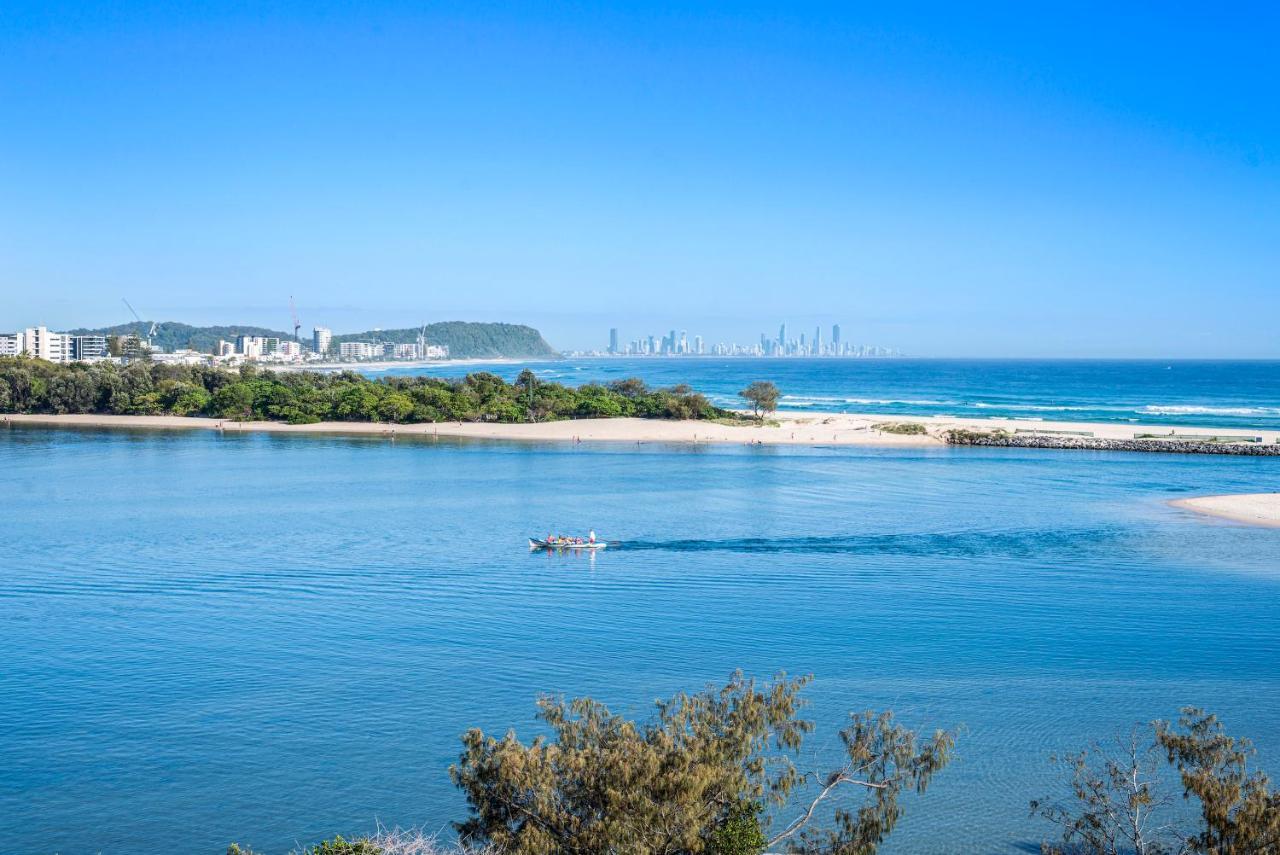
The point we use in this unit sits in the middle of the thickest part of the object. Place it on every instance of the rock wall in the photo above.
(1092, 443)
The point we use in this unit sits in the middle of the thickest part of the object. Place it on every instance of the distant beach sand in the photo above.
(387, 365)
(1252, 508)
(785, 429)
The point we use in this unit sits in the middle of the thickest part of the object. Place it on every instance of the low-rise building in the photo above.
(12, 344)
(43, 344)
(256, 346)
(182, 357)
(360, 350)
(89, 348)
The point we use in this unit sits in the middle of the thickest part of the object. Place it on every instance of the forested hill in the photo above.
(465, 340)
(171, 335)
(468, 340)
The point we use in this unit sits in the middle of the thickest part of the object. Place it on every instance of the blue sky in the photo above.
(1015, 180)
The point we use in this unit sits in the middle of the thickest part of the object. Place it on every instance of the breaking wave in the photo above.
(1178, 410)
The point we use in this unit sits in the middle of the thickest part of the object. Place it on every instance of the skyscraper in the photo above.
(817, 341)
(613, 341)
(782, 337)
(835, 339)
(321, 337)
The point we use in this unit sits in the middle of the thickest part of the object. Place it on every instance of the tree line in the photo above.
(467, 339)
(718, 772)
(302, 397)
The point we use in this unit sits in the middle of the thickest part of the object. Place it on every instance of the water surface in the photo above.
(270, 639)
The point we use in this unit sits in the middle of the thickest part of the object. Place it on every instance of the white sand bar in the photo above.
(1251, 508)
(785, 429)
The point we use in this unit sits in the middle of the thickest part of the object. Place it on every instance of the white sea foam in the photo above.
(1178, 410)
(818, 400)
(1044, 408)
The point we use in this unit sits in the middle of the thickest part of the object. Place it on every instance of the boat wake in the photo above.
(1018, 543)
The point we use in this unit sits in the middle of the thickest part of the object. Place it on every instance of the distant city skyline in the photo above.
(682, 344)
(962, 181)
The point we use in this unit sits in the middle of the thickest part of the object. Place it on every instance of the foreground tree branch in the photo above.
(697, 778)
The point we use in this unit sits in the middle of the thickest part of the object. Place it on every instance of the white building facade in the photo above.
(321, 338)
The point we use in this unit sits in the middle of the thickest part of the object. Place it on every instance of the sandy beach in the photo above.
(1251, 508)
(784, 429)
(387, 364)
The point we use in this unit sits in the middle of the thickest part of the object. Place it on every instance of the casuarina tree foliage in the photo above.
(710, 772)
(762, 396)
(299, 397)
(1121, 799)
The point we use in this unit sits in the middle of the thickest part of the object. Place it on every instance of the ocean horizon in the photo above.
(1196, 392)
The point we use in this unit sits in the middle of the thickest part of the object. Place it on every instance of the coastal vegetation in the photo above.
(713, 771)
(903, 428)
(716, 772)
(301, 397)
(763, 397)
(1119, 801)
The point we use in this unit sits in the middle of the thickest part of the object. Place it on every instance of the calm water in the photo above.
(210, 638)
(1217, 394)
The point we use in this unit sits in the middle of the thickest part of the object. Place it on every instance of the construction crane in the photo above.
(138, 318)
(293, 310)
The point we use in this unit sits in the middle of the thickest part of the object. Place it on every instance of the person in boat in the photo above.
(591, 536)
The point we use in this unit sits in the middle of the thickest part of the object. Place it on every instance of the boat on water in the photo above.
(566, 543)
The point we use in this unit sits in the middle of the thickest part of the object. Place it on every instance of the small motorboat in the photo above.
(565, 543)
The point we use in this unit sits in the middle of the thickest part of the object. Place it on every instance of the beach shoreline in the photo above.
(783, 429)
(1258, 509)
(378, 366)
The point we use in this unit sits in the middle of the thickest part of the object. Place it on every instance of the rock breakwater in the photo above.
(1001, 439)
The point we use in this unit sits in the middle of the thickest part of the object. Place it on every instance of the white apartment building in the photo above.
(40, 343)
(89, 348)
(256, 346)
(12, 344)
(360, 350)
(321, 338)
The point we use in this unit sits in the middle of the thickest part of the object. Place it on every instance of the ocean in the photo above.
(1227, 394)
(271, 639)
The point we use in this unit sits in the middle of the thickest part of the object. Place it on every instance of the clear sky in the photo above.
(1016, 180)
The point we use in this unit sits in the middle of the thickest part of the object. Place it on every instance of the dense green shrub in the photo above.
(905, 428)
(302, 397)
